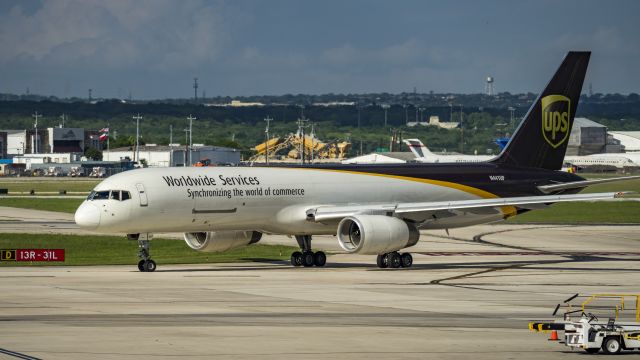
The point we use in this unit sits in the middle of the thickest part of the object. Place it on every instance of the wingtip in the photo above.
(622, 194)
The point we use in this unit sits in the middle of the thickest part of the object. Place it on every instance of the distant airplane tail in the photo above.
(417, 148)
(542, 137)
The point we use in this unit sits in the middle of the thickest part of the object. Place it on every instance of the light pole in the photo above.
(461, 132)
(35, 125)
(511, 110)
(313, 134)
(137, 118)
(301, 126)
(406, 114)
(451, 115)
(386, 108)
(190, 118)
(266, 131)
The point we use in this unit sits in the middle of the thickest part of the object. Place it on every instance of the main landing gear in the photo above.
(306, 257)
(145, 264)
(395, 260)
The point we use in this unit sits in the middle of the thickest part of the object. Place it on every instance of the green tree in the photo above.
(93, 154)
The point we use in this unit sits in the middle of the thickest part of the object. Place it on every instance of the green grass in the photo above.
(55, 204)
(24, 186)
(614, 212)
(629, 185)
(111, 250)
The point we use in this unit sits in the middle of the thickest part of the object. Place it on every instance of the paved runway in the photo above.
(469, 295)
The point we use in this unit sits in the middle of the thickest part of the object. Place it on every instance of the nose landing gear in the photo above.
(146, 264)
(307, 257)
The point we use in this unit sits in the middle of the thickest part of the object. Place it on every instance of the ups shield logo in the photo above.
(555, 119)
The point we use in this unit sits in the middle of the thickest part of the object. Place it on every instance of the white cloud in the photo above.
(157, 34)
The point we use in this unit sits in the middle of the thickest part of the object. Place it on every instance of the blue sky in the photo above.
(154, 48)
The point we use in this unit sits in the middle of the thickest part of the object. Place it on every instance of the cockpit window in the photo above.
(119, 195)
(100, 195)
(115, 195)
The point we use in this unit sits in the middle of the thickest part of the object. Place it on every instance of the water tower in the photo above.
(488, 87)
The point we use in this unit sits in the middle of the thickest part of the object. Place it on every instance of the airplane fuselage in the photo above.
(275, 199)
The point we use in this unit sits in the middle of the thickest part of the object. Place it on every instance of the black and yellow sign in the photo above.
(8, 255)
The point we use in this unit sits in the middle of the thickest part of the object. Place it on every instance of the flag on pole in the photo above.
(104, 136)
(104, 130)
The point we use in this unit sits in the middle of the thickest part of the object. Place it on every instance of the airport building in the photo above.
(589, 137)
(47, 141)
(629, 139)
(174, 155)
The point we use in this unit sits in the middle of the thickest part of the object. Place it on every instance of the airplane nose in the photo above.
(88, 216)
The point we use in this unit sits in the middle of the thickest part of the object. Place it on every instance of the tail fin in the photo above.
(417, 148)
(541, 139)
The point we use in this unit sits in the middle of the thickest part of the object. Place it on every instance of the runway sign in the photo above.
(32, 255)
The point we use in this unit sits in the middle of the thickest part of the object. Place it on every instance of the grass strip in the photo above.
(115, 250)
(56, 204)
(609, 212)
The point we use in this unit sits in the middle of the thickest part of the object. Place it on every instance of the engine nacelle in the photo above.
(218, 241)
(375, 234)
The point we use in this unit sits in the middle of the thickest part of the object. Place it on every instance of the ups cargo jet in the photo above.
(373, 209)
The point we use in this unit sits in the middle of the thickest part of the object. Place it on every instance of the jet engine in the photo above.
(375, 234)
(218, 241)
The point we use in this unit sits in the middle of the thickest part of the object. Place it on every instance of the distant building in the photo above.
(48, 141)
(630, 140)
(435, 121)
(237, 103)
(175, 155)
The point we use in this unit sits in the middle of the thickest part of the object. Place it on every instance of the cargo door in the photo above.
(142, 195)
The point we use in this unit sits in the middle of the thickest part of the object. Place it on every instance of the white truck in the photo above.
(76, 171)
(54, 171)
(583, 330)
(98, 172)
(591, 336)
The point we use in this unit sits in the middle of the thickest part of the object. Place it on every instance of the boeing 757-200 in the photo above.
(373, 209)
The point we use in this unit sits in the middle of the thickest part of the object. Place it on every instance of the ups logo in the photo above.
(555, 119)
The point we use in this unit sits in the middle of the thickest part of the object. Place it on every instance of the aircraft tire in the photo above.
(394, 260)
(141, 265)
(319, 258)
(307, 259)
(406, 260)
(382, 261)
(296, 258)
(150, 266)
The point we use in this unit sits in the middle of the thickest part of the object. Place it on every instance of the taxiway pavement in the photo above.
(469, 295)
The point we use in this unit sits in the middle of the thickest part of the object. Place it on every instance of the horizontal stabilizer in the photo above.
(548, 189)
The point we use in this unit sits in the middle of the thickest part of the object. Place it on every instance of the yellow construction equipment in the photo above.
(290, 147)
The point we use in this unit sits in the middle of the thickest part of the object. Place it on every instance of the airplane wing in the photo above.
(425, 209)
(547, 189)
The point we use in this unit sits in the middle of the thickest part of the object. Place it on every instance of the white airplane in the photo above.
(618, 160)
(373, 209)
(423, 154)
